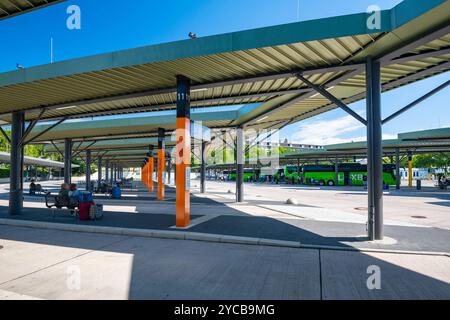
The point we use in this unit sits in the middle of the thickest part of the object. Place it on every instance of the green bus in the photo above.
(250, 175)
(289, 174)
(349, 174)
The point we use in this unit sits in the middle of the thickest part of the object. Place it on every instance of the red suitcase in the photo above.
(84, 210)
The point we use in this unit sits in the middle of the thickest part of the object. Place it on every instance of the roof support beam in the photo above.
(45, 131)
(77, 153)
(31, 126)
(414, 76)
(388, 58)
(8, 139)
(390, 85)
(196, 103)
(332, 98)
(416, 102)
(353, 72)
(423, 55)
(57, 149)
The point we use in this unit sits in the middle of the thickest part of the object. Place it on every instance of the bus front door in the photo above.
(346, 178)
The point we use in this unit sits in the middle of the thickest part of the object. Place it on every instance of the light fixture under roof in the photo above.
(68, 107)
(261, 119)
(199, 90)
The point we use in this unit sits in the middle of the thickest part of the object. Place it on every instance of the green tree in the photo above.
(434, 160)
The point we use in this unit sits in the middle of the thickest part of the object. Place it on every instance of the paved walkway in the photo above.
(50, 264)
(41, 263)
(266, 218)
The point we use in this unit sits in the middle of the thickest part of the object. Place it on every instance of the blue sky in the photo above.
(114, 25)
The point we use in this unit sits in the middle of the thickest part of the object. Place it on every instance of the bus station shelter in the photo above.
(407, 144)
(438, 140)
(293, 71)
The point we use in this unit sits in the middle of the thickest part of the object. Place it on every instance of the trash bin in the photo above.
(116, 193)
(419, 184)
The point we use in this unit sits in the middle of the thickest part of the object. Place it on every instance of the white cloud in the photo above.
(325, 132)
(389, 136)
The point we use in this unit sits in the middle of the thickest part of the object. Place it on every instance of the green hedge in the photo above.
(4, 173)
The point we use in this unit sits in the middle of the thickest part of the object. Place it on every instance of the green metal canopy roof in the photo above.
(254, 66)
(118, 150)
(135, 127)
(11, 8)
(433, 134)
(32, 161)
(428, 141)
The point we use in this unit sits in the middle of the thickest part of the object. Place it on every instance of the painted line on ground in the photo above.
(197, 221)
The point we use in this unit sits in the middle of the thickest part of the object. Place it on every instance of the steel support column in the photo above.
(374, 150)
(183, 152)
(88, 170)
(15, 181)
(410, 170)
(203, 168)
(397, 169)
(106, 171)
(224, 150)
(150, 169)
(161, 162)
(169, 169)
(112, 173)
(99, 165)
(68, 160)
(336, 171)
(240, 164)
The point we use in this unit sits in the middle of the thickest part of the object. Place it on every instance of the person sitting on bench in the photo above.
(73, 191)
(32, 187)
(63, 198)
(35, 188)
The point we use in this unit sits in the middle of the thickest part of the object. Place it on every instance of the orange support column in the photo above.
(145, 177)
(183, 153)
(161, 162)
(149, 173)
(151, 168)
(142, 174)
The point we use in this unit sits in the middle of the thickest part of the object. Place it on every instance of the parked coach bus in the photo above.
(349, 174)
(250, 175)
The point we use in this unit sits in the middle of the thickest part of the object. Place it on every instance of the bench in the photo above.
(73, 212)
(59, 206)
(38, 190)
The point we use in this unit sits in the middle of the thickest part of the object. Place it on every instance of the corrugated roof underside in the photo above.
(10, 8)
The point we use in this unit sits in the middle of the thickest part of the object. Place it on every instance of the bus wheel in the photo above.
(321, 183)
(331, 183)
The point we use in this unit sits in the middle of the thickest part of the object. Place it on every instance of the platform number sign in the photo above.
(188, 178)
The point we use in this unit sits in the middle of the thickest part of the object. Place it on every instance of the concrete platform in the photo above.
(42, 264)
(259, 218)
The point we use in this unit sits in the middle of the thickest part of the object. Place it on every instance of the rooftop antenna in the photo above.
(51, 49)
